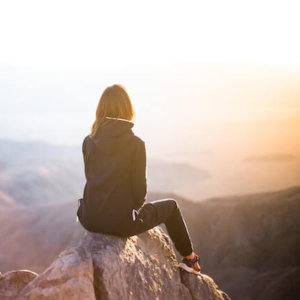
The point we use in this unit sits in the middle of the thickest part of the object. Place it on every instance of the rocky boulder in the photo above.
(13, 282)
(108, 267)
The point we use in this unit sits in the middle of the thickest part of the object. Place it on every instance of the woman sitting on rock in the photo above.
(115, 168)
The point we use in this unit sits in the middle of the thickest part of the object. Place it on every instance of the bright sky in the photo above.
(212, 82)
(244, 42)
(95, 33)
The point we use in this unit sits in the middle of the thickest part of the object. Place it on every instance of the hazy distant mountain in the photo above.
(32, 237)
(165, 176)
(272, 157)
(34, 173)
(248, 243)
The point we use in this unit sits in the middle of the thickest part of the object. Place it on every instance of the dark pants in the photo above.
(164, 211)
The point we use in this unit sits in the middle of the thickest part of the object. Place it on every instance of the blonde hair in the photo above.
(114, 102)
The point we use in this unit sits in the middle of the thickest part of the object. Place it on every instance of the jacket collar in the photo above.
(114, 127)
(112, 118)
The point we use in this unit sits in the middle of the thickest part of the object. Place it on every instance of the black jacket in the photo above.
(115, 171)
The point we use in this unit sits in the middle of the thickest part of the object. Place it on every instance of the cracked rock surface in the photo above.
(102, 266)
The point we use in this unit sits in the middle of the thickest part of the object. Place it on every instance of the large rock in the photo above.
(108, 267)
(11, 283)
(70, 276)
(202, 286)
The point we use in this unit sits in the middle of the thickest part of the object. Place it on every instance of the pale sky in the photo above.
(96, 33)
(192, 61)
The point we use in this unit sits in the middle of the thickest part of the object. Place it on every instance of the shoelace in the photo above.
(195, 259)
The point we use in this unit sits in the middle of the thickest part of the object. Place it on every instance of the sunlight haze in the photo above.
(97, 33)
(215, 84)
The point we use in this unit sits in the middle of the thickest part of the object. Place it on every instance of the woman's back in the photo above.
(115, 162)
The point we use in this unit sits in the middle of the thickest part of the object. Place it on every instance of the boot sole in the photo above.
(188, 269)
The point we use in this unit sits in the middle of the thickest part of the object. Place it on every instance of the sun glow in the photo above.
(97, 33)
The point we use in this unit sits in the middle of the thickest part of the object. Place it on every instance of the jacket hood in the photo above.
(113, 135)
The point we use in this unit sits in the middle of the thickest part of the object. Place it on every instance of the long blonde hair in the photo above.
(114, 102)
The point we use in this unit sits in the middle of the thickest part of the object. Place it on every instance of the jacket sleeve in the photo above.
(139, 180)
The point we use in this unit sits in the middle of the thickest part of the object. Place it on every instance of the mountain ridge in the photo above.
(239, 238)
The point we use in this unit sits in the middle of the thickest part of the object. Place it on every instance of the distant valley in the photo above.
(249, 243)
